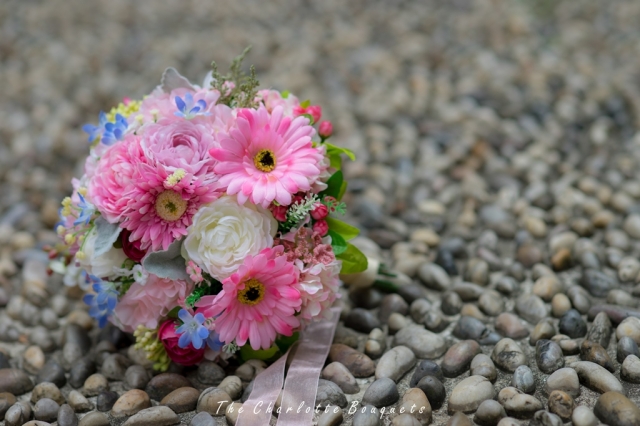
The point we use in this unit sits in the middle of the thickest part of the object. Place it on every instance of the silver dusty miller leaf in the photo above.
(168, 263)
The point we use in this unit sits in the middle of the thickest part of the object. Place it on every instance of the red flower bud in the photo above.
(279, 212)
(325, 130)
(319, 212)
(131, 249)
(321, 227)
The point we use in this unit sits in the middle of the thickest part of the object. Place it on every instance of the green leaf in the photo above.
(285, 342)
(285, 94)
(338, 244)
(345, 230)
(353, 261)
(336, 150)
(247, 353)
(335, 161)
(343, 189)
(305, 103)
(334, 185)
(309, 117)
(174, 312)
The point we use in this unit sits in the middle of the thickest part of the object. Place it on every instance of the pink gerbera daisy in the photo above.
(161, 205)
(267, 157)
(258, 302)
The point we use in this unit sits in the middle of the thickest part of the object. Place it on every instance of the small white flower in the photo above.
(224, 232)
(140, 275)
(105, 265)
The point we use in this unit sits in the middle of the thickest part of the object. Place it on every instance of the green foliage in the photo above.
(338, 244)
(353, 261)
(297, 213)
(247, 353)
(334, 154)
(243, 94)
(334, 185)
(346, 231)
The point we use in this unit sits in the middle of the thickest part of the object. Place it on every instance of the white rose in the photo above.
(224, 232)
(102, 266)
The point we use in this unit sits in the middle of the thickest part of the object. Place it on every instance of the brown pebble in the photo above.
(561, 404)
(561, 260)
(591, 351)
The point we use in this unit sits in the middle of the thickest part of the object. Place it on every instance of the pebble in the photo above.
(468, 292)
(340, 375)
(560, 304)
(203, 419)
(331, 416)
(18, 414)
(545, 418)
(458, 357)
(165, 383)
(543, 330)
(426, 368)
(95, 384)
(376, 343)
(629, 327)
(434, 276)
(433, 389)
(136, 377)
(481, 365)
(470, 393)
(362, 320)
(105, 401)
(52, 372)
(356, 362)
(531, 308)
(80, 371)
(210, 373)
(459, 419)
(472, 328)
(381, 393)
(232, 385)
(231, 414)
(572, 324)
(626, 346)
(396, 363)
(600, 330)
(95, 418)
(66, 416)
(549, 356)
(33, 359)
(630, 370)
(405, 420)
(366, 416)
(392, 303)
(597, 283)
(330, 393)
(419, 309)
(253, 367)
(154, 416)
(491, 303)
(508, 355)
(451, 303)
(422, 342)
(546, 287)
(579, 299)
(523, 379)
(628, 269)
(6, 400)
(509, 325)
(489, 413)
(215, 401)
(561, 404)
(78, 402)
(47, 390)
(518, 404)
(596, 377)
(115, 366)
(182, 400)
(396, 323)
(368, 298)
(14, 381)
(564, 379)
(590, 351)
(415, 402)
(583, 416)
(615, 409)
(46, 410)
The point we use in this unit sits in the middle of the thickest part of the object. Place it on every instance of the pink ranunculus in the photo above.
(169, 338)
(315, 111)
(258, 302)
(318, 286)
(114, 173)
(131, 249)
(182, 144)
(321, 227)
(272, 99)
(320, 211)
(279, 212)
(147, 304)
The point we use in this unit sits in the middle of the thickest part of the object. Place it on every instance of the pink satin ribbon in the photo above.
(301, 386)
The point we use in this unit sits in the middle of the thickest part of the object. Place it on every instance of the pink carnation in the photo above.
(257, 302)
(161, 205)
(272, 99)
(318, 286)
(182, 144)
(267, 157)
(114, 173)
(147, 304)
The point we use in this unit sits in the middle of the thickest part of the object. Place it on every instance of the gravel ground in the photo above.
(497, 175)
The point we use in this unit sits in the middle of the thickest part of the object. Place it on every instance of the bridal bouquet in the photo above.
(207, 219)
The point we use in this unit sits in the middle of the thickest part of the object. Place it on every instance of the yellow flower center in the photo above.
(170, 206)
(252, 293)
(265, 160)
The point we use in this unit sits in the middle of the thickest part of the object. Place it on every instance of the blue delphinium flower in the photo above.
(213, 341)
(192, 331)
(108, 132)
(188, 109)
(101, 304)
(86, 211)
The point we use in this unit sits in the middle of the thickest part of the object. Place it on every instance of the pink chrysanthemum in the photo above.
(257, 302)
(113, 174)
(161, 205)
(267, 157)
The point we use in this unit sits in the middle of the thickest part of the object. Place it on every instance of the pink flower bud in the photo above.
(319, 212)
(321, 227)
(325, 130)
(279, 212)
